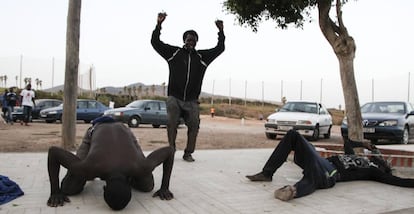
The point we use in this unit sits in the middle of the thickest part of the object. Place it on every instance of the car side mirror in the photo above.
(409, 114)
(147, 108)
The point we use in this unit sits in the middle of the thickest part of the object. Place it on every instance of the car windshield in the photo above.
(384, 107)
(136, 104)
(300, 107)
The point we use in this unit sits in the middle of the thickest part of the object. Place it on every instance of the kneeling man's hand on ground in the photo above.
(164, 194)
(57, 199)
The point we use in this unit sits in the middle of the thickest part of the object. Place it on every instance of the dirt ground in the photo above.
(215, 133)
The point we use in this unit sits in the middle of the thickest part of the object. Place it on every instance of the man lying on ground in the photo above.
(322, 173)
(109, 151)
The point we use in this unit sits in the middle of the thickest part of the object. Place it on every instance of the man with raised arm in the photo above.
(187, 68)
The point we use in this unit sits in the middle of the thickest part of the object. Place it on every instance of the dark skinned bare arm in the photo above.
(166, 157)
(57, 157)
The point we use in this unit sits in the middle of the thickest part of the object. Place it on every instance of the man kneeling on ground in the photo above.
(322, 173)
(109, 151)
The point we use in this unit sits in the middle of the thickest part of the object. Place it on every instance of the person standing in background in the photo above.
(4, 104)
(11, 102)
(27, 100)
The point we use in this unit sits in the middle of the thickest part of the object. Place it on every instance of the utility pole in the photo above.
(53, 70)
(281, 90)
(409, 80)
(245, 93)
(230, 91)
(262, 94)
(372, 90)
(21, 70)
(320, 96)
(212, 94)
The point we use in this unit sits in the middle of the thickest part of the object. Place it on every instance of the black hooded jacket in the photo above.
(187, 68)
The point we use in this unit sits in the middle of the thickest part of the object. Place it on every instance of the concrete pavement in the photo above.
(214, 183)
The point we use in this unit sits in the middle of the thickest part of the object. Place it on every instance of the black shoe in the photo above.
(259, 177)
(188, 158)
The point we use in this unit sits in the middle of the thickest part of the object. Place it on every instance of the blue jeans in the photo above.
(27, 112)
(9, 117)
(190, 111)
(317, 171)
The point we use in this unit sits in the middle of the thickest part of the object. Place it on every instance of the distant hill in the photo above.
(118, 90)
(158, 91)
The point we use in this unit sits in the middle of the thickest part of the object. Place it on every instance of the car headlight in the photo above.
(304, 122)
(51, 112)
(388, 123)
(271, 120)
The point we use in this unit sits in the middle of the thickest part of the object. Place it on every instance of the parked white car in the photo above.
(310, 119)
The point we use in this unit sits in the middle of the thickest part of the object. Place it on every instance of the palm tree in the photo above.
(1, 80)
(129, 92)
(140, 91)
(5, 80)
(37, 83)
(134, 91)
(125, 89)
(146, 91)
(153, 90)
(71, 74)
(26, 80)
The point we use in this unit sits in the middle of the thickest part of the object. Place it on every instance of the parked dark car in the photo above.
(391, 121)
(141, 112)
(86, 110)
(40, 104)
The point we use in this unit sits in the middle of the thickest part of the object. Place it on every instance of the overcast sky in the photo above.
(296, 63)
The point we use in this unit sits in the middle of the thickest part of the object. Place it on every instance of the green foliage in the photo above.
(284, 12)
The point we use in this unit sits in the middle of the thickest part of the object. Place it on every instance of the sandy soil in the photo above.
(215, 133)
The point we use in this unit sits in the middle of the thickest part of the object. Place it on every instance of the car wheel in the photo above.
(155, 126)
(315, 135)
(134, 121)
(405, 136)
(328, 135)
(271, 136)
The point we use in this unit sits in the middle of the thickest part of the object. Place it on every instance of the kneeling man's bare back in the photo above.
(109, 151)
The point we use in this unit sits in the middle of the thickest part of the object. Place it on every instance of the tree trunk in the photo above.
(344, 48)
(71, 75)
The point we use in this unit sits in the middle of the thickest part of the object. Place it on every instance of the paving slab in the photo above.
(214, 183)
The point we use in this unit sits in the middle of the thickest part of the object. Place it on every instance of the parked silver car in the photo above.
(138, 112)
(310, 119)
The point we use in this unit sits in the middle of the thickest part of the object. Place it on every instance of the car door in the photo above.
(151, 112)
(82, 110)
(93, 111)
(162, 116)
(325, 119)
(410, 119)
